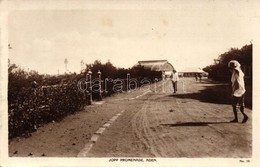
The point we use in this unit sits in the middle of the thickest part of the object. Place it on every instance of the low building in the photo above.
(192, 72)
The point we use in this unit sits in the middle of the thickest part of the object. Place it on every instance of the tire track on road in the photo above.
(139, 126)
(149, 132)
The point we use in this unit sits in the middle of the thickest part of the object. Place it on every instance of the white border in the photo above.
(7, 6)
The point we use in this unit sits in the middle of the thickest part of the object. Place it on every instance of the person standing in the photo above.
(174, 78)
(238, 90)
(200, 76)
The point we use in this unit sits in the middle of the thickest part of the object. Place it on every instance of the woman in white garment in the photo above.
(238, 90)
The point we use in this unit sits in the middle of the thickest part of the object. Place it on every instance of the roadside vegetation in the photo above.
(219, 70)
(35, 99)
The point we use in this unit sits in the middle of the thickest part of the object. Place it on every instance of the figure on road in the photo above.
(200, 76)
(238, 90)
(196, 77)
(174, 78)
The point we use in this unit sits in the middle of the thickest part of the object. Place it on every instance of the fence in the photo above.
(32, 107)
(102, 87)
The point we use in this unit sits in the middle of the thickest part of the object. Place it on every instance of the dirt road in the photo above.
(150, 122)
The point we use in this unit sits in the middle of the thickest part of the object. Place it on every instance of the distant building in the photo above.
(192, 71)
(158, 65)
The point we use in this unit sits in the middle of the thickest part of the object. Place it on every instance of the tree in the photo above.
(81, 66)
(220, 70)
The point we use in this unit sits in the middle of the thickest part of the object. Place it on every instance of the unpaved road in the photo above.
(155, 123)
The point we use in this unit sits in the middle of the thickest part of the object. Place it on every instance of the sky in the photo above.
(186, 34)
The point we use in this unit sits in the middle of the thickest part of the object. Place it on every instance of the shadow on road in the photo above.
(214, 93)
(193, 124)
(208, 95)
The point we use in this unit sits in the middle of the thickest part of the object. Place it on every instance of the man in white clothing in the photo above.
(174, 78)
(238, 90)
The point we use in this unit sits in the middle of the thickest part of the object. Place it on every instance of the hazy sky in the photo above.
(187, 35)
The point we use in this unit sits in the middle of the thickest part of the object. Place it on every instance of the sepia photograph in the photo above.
(128, 83)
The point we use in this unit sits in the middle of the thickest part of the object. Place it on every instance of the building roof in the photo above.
(156, 65)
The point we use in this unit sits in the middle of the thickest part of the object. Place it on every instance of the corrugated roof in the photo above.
(157, 65)
(153, 61)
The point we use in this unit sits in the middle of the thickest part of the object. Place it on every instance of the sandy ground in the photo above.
(156, 123)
